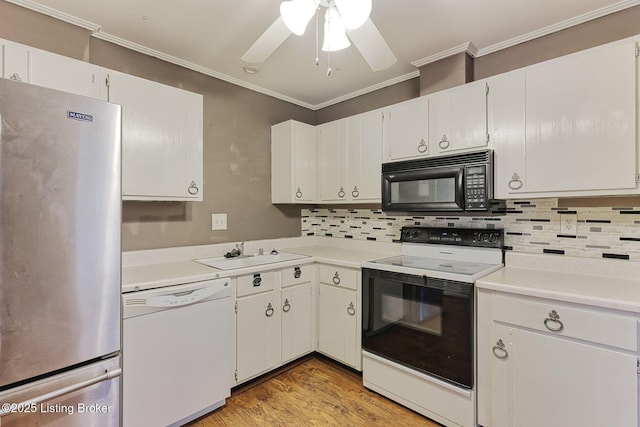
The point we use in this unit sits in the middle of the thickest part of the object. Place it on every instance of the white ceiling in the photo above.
(211, 35)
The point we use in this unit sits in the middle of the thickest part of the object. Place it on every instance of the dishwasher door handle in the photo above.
(182, 298)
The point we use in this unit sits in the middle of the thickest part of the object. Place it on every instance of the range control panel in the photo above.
(475, 237)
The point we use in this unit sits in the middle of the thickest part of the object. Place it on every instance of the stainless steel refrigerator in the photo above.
(60, 215)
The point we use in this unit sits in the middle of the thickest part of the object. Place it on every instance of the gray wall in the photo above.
(237, 122)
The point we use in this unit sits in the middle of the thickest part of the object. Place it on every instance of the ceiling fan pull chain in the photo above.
(317, 39)
(328, 64)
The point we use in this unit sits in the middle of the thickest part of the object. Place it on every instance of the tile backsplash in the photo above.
(531, 226)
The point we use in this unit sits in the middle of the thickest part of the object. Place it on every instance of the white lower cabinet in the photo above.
(339, 314)
(546, 362)
(274, 320)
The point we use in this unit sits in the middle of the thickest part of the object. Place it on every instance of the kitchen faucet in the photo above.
(240, 248)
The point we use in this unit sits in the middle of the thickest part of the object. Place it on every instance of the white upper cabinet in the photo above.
(161, 139)
(458, 118)
(293, 162)
(332, 161)
(581, 121)
(350, 158)
(405, 130)
(30, 65)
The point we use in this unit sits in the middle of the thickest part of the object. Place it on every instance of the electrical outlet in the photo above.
(219, 221)
(569, 224)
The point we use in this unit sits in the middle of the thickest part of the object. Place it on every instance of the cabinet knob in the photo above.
(269, 311)
(355, 193)
(297, 272)
(444, 143)
(298, 193)
(341, 193)
(257, 280)
(553, 322)
(336, 279)
(15, 77)
(286, 306)
(422, 146)
(499, 350)
(351, 310)
(515, 183)
(193, 188)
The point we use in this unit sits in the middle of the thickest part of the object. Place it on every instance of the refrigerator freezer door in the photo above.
(60, 214)
(85, 397)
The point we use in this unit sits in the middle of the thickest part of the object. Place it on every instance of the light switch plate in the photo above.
(569, 224)
(219, 221)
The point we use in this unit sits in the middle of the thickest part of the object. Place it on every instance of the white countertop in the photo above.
(173, 266)
(613, 284)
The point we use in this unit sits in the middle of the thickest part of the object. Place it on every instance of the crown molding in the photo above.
(46, 10)
(467, 47)
(562, 25)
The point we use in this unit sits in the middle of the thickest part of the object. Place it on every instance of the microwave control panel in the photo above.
(475, 186)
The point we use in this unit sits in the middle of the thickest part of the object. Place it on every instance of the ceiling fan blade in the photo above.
(372, 46)
(267, 43)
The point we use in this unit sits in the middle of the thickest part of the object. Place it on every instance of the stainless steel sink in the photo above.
(244, 261)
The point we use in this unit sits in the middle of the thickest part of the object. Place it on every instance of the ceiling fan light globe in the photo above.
(296, 14)
(353, 13)
(335, 37)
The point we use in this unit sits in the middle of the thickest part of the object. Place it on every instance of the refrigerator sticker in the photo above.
(79, 116)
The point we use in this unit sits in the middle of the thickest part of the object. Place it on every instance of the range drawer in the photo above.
(296, 275)
(255, 283)
(339, 276)
(568, 320)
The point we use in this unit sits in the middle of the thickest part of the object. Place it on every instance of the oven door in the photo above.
(429, 189)
(420, 322)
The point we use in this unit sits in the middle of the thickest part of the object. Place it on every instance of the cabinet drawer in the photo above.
(296, 275)
(568, 320)
(256, 283)
(339, 276)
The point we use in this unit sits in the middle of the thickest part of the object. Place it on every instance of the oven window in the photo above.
(436, 190)
(424, 324)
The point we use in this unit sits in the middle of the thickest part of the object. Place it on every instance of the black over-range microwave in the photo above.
(460, 184)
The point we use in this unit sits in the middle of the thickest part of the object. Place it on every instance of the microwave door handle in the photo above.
(460, 190)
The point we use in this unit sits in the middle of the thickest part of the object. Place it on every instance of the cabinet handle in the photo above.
(336, 279)
(341, 193)
(193, 188)
(257, 280)
(444, 143)
(422, 146)
(297, 272)
(15, 77)
(355, 193)
(286, 306)
(298, 193)
(515, 183)
(351, 310)
(553, 319)
(499, 350)
(269, 311)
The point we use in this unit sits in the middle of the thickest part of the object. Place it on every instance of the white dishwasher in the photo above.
(176, 352)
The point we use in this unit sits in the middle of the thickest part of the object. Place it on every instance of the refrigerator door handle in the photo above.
(182, 298)
(108, 375)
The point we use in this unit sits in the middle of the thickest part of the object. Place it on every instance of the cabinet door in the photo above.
(296, 321)
(66, 74)
(156, 139)
(581, 121)
(331, 161)
(506, 118)
(15, 61)
(458, 118)
(405, 130)
(304, 162)
(364, 157)
(257, 335)
(338, 325)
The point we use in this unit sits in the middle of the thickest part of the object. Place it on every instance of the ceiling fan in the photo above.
(342, 18)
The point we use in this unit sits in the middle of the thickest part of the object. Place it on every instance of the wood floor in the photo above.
(315, 392)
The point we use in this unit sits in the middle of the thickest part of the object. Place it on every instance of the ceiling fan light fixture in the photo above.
(353, 13)
(335, 37)
(296, 14)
